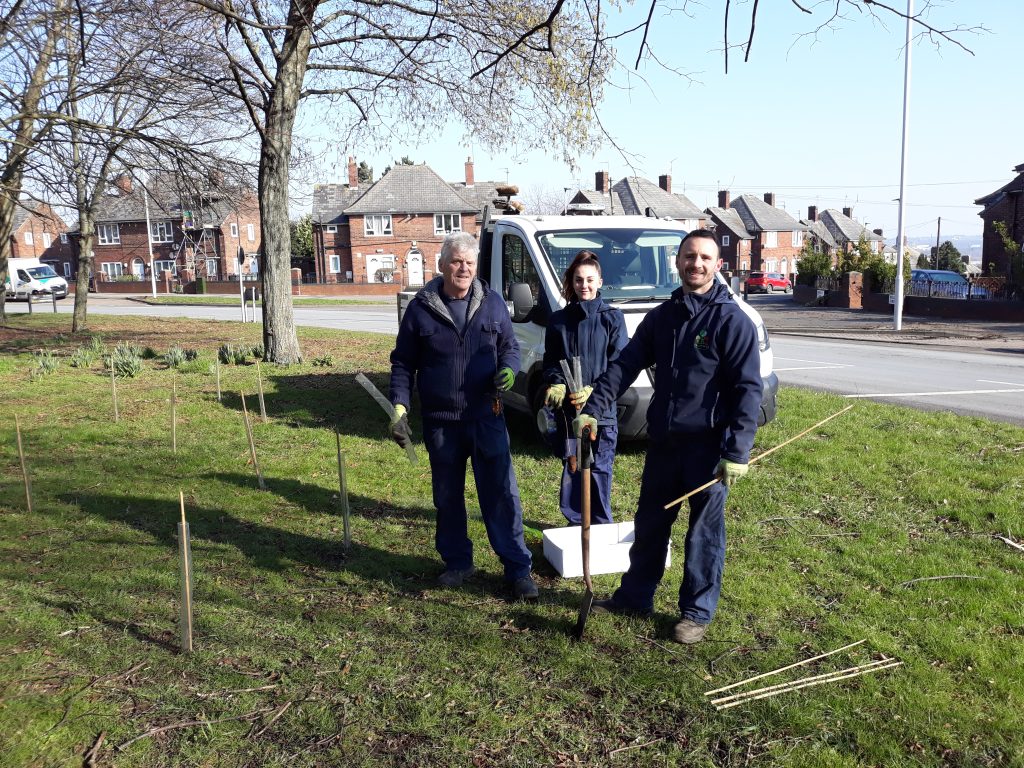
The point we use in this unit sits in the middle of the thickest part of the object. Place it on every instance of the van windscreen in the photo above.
(635, 263)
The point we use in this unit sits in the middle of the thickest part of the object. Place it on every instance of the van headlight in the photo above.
(763, 343)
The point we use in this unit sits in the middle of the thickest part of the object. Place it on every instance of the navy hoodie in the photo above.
(453, 372)
(591, 330)
(707, 378)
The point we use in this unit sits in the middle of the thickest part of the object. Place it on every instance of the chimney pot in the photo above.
(601, 182)
(723, 198)
(469, 172)
(124, 183)
(812, 213)
(353, 173)
(769, 197)
(848, 213)
(665, 182)
(878, 232)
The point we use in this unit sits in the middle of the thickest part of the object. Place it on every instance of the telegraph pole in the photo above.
(897, 314)
(938, 234)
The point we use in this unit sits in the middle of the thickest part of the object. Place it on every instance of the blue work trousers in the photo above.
(485, 443)
(600, 479)
(673, 467)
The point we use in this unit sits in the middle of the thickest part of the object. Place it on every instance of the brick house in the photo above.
(734, 240)
(392, 231)
(196, 233)
(818, 235)
(635, 195)
(775, 237)
(847, 232)
(1003, 205)
(39, 233)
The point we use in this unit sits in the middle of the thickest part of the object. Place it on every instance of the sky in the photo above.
(815, 119)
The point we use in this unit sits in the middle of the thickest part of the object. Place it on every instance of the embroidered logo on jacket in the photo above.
(701, 342)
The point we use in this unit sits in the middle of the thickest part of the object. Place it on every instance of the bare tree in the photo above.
(523, 75)
(545, 200)
(31, 34)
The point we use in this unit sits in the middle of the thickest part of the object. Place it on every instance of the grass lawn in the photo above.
(308, 655)
(232, 301)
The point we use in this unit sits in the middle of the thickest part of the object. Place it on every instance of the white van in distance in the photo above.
(32, 278)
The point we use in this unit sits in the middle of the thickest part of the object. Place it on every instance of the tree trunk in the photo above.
(280, 341)
(88, 235)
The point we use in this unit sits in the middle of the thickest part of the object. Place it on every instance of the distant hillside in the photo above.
(966, 244)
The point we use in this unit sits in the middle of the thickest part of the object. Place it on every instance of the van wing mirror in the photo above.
(522, 301)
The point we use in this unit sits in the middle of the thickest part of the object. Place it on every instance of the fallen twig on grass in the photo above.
(809, 684)
(636, 746)
(89, 759)
(71, 699)
(1010, 542)
(283, 708)
(937, 578)
(235, 690)
(192, 724)
(783, 669)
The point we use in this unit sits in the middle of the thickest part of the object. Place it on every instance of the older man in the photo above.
(701, 423)
(456, 343)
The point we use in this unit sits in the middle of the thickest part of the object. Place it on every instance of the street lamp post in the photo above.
(897, 314)
(149, 238)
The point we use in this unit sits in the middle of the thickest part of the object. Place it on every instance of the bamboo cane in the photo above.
(756, 459)
(174, 414)
(259, 384)
(343, 492)
(113, 392)
(783, 669)
(810, 684)
(779, 686)
(218, 379)
(252, 444)
(24, 469)
(186, 579)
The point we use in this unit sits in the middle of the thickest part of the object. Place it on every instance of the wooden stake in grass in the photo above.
(757, 458)
(796, 685)
(259, 384)
(343, 491)
(185, 551)
(783, 669)
(113, 391)
(24, 469)
(252, 444)
(174, 413)
(218, 379)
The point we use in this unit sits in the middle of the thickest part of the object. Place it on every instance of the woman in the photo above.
(595, 332)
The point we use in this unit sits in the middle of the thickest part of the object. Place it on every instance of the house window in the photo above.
(46, 240)
(112, 269)
(335, 264)
(166, 266)
(67, 269)
(108, 234)
(377, 225)
(64, 237)
(798, 238)
(161, 232)
(771, 239)
(251, 232)
(234, 230)
(211, 267)
(725, 241)
(28, 238)
(874, 246)
(447, 222)
(331, 228)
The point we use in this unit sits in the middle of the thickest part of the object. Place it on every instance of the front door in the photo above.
(414, 267)
(138, 269)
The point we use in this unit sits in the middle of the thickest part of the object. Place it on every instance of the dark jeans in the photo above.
(485, 443)
(674, 467)
(600, 479)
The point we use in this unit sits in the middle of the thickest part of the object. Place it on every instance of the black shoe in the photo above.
(525, 589)
(610, 606)
(454, 577)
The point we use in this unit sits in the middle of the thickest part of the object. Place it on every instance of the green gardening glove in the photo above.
(555, 395)
(583, 421)
(400, 431)
(504, 379)
(730, 471)
(579, 399)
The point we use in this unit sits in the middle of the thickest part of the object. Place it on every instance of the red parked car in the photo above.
(767, 282)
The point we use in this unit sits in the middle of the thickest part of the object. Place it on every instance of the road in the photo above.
(964, 378)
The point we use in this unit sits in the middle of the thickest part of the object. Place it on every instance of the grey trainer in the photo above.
(688, 632)
(455, 577)
(525, 589)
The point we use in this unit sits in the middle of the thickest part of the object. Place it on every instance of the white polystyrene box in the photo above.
(609, 549)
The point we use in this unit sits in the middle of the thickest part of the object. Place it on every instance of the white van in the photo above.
(32, 278)
(524, 258)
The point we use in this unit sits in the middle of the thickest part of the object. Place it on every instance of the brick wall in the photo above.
(1011, 211)
(785, 249)
(42, 224)
(369, 252)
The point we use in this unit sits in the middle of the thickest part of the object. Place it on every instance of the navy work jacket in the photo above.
(707, 377)
(596, 333)
(453, 373)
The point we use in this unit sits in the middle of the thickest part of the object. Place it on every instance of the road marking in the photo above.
(1010, 383)
(937, 394)
(801, 360)
(812, 367)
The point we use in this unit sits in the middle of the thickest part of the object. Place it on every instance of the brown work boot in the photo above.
(688, 632)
